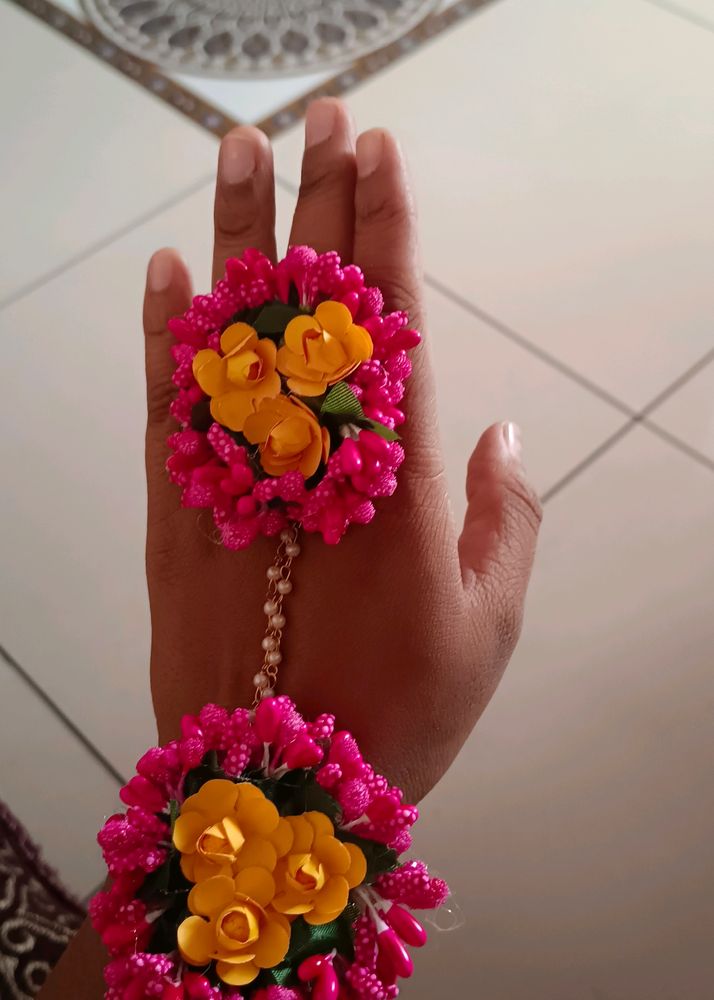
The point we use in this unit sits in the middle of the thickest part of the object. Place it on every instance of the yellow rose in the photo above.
(289, 435)
(322, 349)
(238, 379)
(232, 927)
(227, 827)
(315, 877)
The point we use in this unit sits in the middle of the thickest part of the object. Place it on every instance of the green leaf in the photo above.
(198, 776)
(379, 857)
(174, 810)
(306, 940)
(384, 432)
(297, 792)
(342, 402)
(246, 315)
(273, 318)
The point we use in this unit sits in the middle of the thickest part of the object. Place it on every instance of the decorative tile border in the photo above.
(213, 119)
(371, 64)
(143, 73)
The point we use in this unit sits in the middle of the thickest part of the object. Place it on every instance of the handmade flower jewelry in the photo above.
(290, 380)
(259, 853)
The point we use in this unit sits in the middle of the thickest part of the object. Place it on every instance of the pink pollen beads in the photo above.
(219, 470)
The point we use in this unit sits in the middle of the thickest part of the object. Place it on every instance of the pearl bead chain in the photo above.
(279, 585)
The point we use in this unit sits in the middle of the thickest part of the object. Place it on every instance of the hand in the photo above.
(400, 630)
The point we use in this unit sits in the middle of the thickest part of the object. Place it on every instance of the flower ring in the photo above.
(290, 379)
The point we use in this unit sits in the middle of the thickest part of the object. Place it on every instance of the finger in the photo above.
(498, 541)
(168, 293)
(324, 215)
(387, 250)
(244, 208)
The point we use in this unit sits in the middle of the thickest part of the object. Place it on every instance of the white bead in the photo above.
(267, 693)
(275, 657)
(269, 643)
(285, 535)
(270, 607)
(277, 621)
(284, 586)
(273, 572)
(292, 550)
(260, 680)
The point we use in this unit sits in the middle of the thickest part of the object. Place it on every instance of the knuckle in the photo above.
(158, 401)
(386, 211)
(500, 625)
(236, 214)
(507, 626)
(400, 292)
(524, 503)
(320, 176)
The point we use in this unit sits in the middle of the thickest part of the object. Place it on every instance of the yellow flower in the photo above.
(239, 378)
(227, 827)
(237, 932)
(289, 435)
(322, 349)
(315, 878)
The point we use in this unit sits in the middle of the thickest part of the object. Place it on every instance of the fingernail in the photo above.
(237, 160)
(161, 267)
(512, 437)
(319, 122)
(370, 147)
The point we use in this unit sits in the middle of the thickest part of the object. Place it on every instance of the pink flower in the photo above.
(214, 471)
(412, 885)
(138, 977)
(133, 841)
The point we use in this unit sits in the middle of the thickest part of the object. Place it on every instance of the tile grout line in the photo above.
(677, 384)
(686, 15)
(589, 460)
(676, 442)
(532, 348)
(104, 242)
(52, 705)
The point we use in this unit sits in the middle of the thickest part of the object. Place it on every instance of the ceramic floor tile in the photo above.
(562, 156)
(576, 825)
(689, 413)
(87, 151)
(495, 379)
(700, 11)
(50, 782)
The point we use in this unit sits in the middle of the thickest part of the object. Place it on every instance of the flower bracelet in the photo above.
(259, 855)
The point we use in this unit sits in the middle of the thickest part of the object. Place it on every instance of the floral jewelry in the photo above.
(290, 379)
(259, 855)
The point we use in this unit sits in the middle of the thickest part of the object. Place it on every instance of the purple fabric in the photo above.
(38, 916)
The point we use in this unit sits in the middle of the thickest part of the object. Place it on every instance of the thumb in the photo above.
(498, 541)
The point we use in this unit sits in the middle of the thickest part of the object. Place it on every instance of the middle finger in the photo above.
(324, 216)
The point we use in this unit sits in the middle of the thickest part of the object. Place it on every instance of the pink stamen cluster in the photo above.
(214, 472)
(412, 885)
(119, 918)
(277, 993)
(133, 841)
(273, 740)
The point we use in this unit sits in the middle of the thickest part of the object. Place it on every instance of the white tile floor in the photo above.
(562, 156)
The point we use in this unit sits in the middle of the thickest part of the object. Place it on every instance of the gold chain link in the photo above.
(279, 586)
